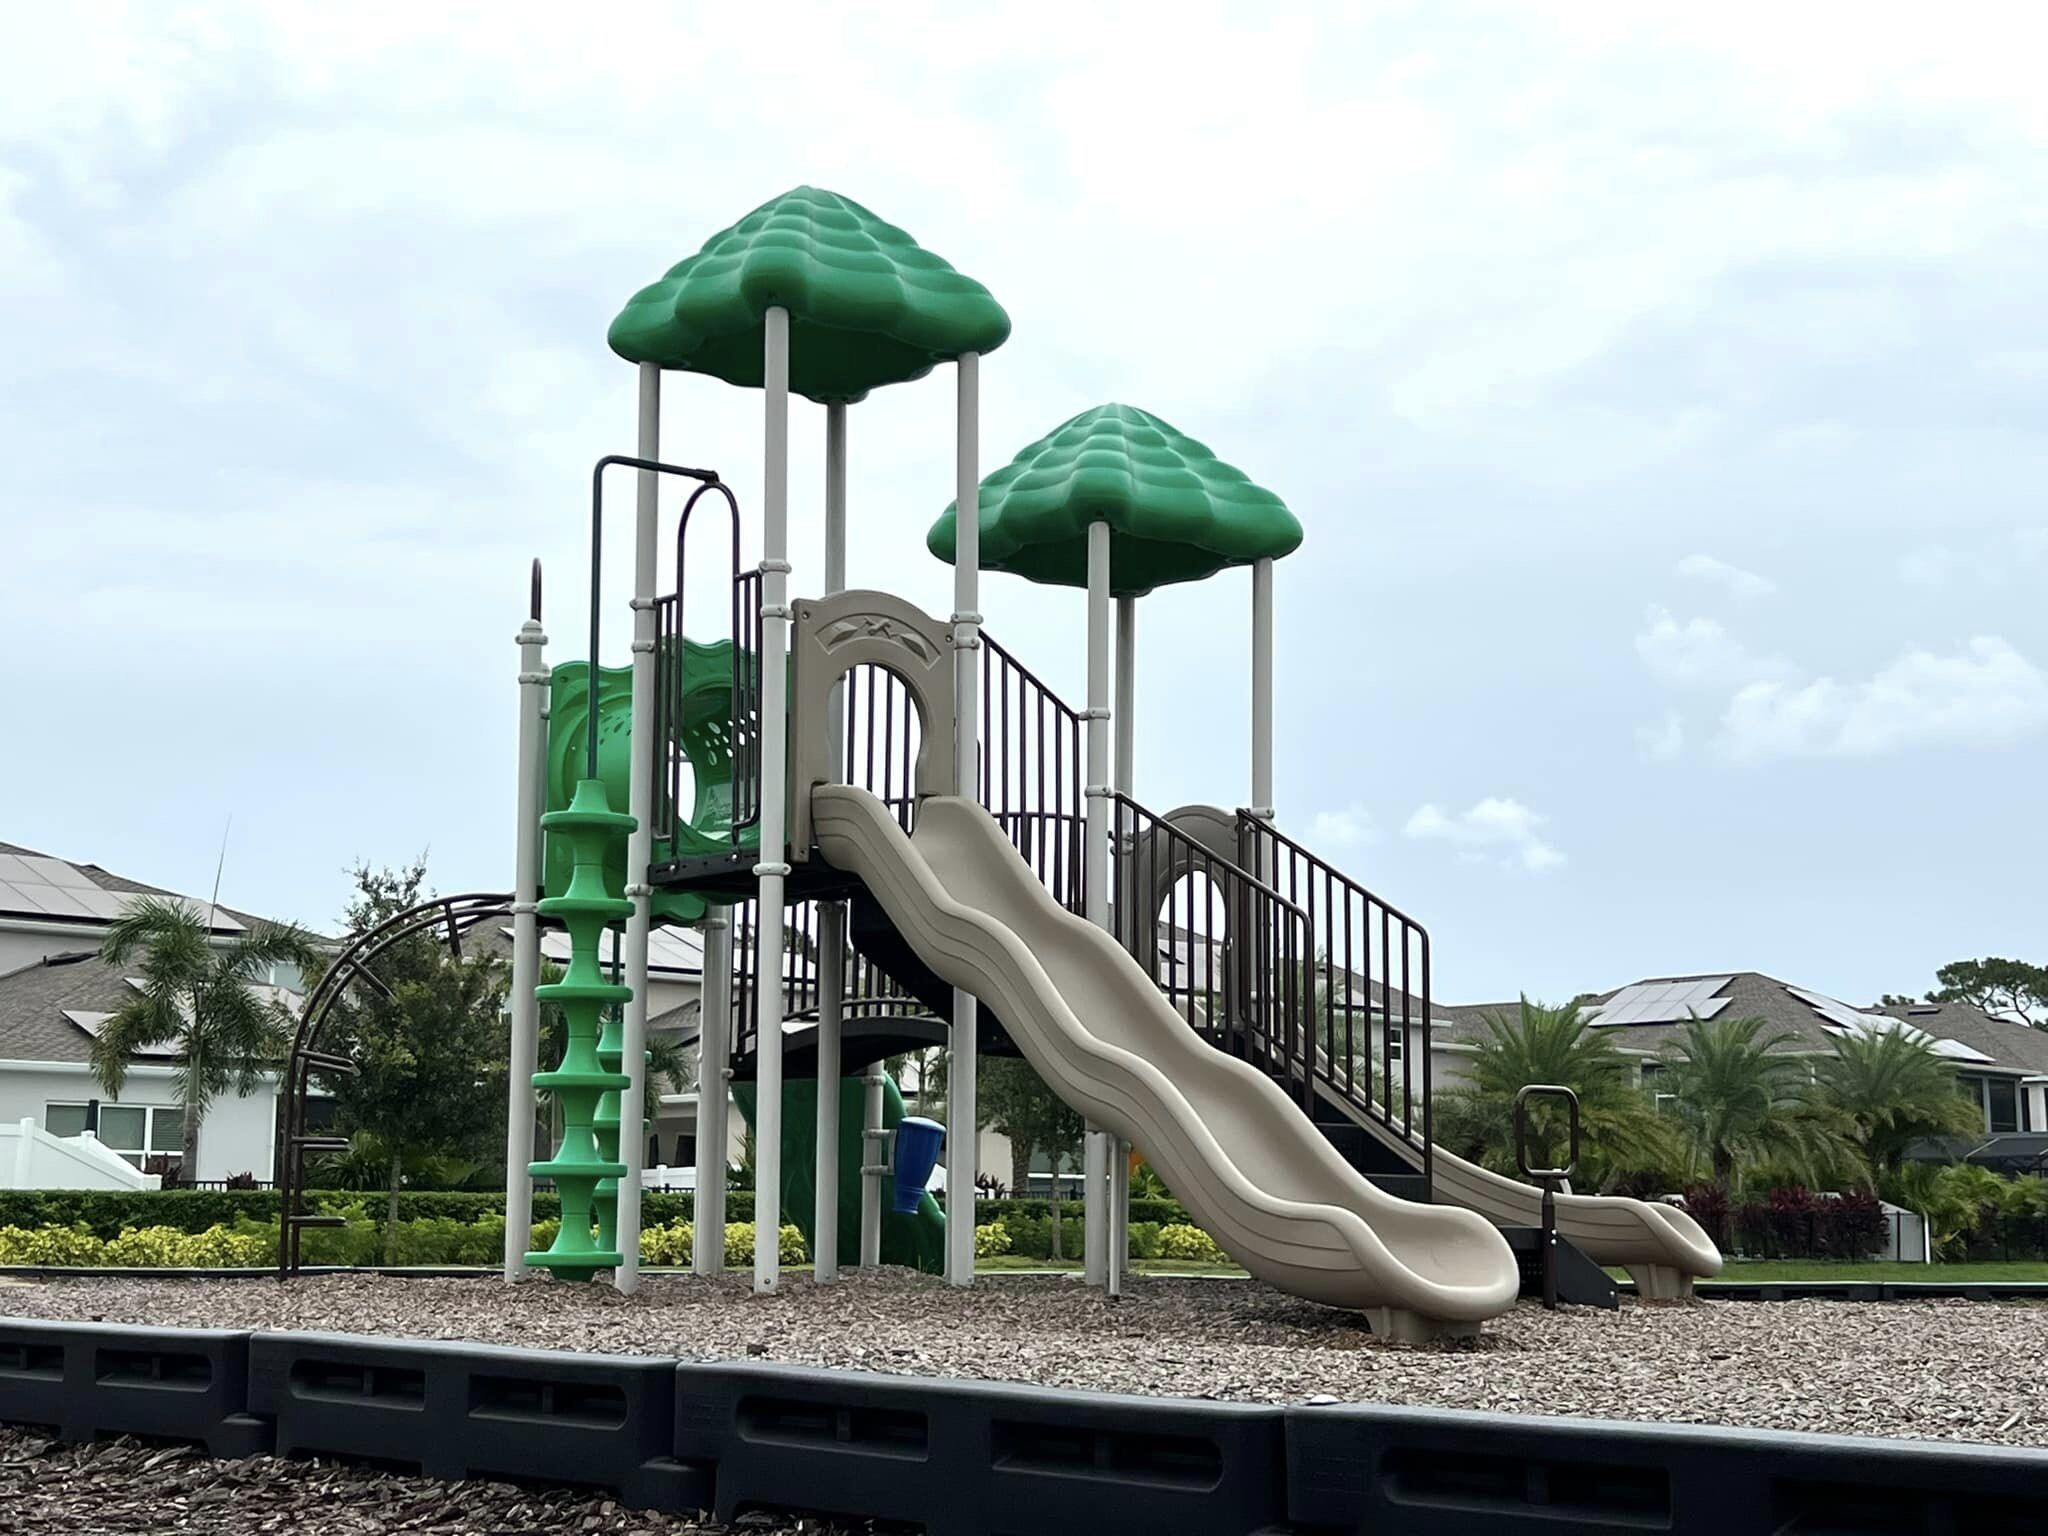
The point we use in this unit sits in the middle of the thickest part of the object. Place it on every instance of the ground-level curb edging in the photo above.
(1445, 1472)
(86, 1380)
(966, 1457)
(476, 1410)
(1863, 1290)
(961, 1458)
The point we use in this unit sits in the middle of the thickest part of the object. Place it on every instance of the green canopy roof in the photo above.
(867, 304)
(1176, 512)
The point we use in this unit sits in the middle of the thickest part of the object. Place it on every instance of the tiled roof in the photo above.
(1751, 994)
(33, 999)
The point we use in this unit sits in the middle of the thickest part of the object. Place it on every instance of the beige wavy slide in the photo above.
(1661, 1247)
(1244, 1160)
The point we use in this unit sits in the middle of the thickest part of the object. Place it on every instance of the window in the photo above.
(1997, 1097)
(2002, 1104)
(133, 1130)
(64, 1119)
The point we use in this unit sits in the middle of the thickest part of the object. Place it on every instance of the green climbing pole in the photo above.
(581, 1078)
(605, 1126)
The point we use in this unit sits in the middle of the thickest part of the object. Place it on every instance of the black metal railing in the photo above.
(1030, 776)
(680, 747)
(1227, 952)
(869, 991)
(1368, 1001)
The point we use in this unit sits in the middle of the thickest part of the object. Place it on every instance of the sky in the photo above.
(1661, 389)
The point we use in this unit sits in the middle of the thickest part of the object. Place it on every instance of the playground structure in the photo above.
(891, 832)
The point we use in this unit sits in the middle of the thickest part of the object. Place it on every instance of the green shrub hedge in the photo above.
(433, 1242)
(108, 1213)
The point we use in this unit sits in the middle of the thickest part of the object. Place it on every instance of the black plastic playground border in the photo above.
(1704, 1290)
(966, 1458)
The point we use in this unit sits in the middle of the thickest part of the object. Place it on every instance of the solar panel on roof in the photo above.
(41, 897)
(57, 872)
(1664, 1002)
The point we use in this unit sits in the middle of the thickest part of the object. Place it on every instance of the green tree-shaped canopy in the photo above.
(1176, 512)
(867, 304)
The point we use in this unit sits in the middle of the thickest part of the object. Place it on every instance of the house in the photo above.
(55, 992)
(2001, 1065)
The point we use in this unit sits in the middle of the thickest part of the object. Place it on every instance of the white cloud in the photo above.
(1732, 578)
(1930, 566)
(1349, 827)
(1985, 694)
(1494, 827)
(1700, 653)
(1663, 741)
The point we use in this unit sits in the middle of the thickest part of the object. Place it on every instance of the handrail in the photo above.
(708, 477)
(1344, 917)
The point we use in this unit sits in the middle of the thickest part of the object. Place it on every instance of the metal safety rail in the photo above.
(1227, 952)
(1368, 998)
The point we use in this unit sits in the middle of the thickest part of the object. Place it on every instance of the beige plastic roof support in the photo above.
(833, 635)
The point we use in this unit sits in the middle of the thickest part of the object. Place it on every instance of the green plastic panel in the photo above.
(915, 1241)
(868, 305)
(1176, 512)
(706, 742)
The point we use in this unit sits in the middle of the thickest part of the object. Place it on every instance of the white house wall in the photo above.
(236, 1136)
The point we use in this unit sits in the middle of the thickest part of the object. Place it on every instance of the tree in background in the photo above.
(1894, 1090)
(1619, 1131)
(1008, 1104)
(2005, 989)
(431, 1043)
(202, 997)
(1739, 1102)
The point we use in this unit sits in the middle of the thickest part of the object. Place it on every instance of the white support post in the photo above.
(1119, 1244)
(640, 841)
(962, 1066)
(1262, 691)
(771, 869)
(1095, 1266)
(871, 1183)
(519, 1110)
(714, 1047)
(832, 915)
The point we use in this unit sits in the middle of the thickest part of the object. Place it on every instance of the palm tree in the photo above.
(1619, 1130)
(200, 996)
(1895, 1090)
(1738, 1100)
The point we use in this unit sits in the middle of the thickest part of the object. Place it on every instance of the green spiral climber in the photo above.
(581, 1079)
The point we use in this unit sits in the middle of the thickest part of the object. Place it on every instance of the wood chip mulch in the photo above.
(50, 1489)
(1947, 1370)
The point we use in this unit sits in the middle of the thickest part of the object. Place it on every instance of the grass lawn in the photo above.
(1930, 1274)
(1013, 1263)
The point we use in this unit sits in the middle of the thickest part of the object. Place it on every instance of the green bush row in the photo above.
(107, 1213)
(431, 1243)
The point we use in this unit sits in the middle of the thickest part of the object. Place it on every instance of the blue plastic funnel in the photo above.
(917, 1149)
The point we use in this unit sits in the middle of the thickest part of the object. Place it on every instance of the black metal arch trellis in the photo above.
(453, 916)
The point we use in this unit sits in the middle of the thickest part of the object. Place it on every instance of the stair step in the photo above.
(1406, 1186)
